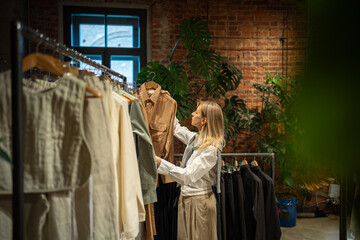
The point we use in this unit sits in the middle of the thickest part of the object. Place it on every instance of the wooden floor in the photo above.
(324, 228)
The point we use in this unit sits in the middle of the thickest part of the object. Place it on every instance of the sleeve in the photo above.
(182, 133)
(169, 145)
(193, 171)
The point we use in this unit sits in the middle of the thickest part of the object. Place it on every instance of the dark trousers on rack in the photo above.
(166, 211)
(230, 206)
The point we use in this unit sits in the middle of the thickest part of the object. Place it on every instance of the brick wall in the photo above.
(257, 36)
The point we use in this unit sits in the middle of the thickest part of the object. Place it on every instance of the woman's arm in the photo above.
(182, 133)
(193, 171)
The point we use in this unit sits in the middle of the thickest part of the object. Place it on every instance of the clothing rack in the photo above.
(272, 155)
(36, 36)
(18, 32)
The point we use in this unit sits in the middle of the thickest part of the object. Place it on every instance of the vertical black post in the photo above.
(343, 206)
(17, 130)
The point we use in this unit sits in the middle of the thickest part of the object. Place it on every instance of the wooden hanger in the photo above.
(254, 163)
(128, 97)
(54, 66)
(244, 162)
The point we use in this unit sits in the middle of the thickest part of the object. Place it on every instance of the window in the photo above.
(113, 37)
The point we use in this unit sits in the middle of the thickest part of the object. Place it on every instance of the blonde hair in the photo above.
(212, 133)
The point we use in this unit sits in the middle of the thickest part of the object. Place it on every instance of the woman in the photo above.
(198, 172)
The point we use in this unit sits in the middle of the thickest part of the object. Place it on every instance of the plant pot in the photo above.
(289, 205)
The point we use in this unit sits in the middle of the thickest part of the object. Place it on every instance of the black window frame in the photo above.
(107, 52)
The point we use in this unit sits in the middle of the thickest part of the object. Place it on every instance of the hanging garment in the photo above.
(230, 207)
(36, 207)
(159, 111)
(147, 167)
(239, 196)
(254, 205)
(272, 223)
(95, 205)
(131, 205)
(54, 209)
(223, 207)
(53, 137)
(166, 211)
(145, 153)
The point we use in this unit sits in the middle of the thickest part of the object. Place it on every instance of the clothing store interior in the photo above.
(189, 120)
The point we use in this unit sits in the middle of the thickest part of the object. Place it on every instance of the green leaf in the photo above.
(194, 34)
(227, 80)
(288, 179)
(204, 63)
(4, 156)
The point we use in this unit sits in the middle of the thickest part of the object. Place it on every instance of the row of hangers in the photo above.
(58, 68)
(236, 165)
(54, 66)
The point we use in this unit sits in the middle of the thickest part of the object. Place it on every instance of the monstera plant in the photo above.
(202, 69)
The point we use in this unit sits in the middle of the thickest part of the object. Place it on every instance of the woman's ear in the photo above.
(203, 121)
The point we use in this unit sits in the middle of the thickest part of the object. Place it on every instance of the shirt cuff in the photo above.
(165, 167)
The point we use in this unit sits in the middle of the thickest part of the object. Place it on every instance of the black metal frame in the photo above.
(106, 52)
(18, 32)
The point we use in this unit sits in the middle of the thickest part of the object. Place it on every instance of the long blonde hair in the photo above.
(212, 132)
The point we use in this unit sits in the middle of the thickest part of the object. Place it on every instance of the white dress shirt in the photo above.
(199, 174)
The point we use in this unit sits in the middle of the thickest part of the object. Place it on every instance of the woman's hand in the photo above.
(158, 161)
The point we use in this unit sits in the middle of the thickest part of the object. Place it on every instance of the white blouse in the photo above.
(200, 172)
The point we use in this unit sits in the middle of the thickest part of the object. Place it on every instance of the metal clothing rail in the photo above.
(18, 32)
(69, 52)
(272, 155)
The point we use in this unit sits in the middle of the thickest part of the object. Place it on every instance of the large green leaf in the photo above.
(172, 79)
(227, 80)
(194, 34)
(232, 117)
(185, 106)
(204, 63)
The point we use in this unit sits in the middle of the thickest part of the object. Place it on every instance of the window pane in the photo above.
(129, 66)
(92, 35)
(87, 30)
(120, 36)
(123, 31)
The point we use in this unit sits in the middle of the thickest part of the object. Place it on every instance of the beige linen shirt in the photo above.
(131, 206)
(159, 111)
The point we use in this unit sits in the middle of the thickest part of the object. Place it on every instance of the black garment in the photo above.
(239, 197)
(223, 207)
(230, 206)
(166, 211)
(272, 223)
(254, 205)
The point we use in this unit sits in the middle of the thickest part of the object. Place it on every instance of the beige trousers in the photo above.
(197, 217)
